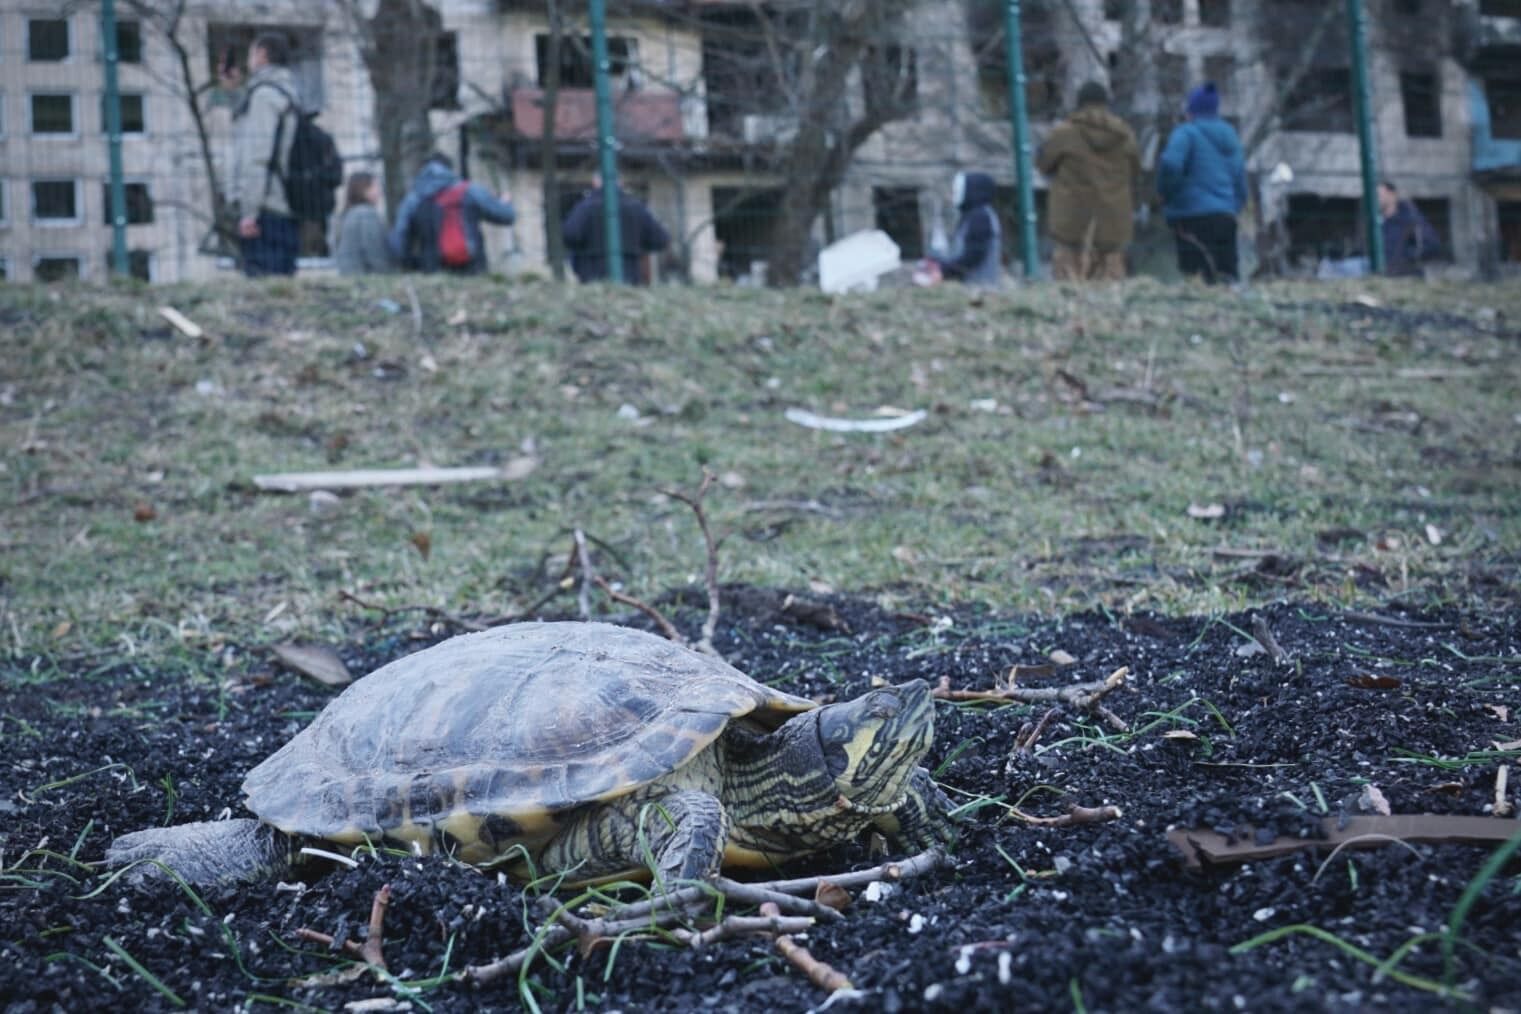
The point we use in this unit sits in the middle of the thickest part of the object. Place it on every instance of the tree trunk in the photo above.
(399, 49)
(549, 167)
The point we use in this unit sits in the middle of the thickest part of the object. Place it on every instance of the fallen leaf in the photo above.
(1206, 512)
(1178, 734)
(1500, 710)
(905, 555)
(143, 511)
(319, 662)
(832, 895)
(427, 363)
(732, 480)
(279, 608)
(1514, 744)
(1368, 681)
(820, 587)
(1434, 535)
(1372, 800)
(458, 317)
(62, 630)
(424, 543)
(1060, 657)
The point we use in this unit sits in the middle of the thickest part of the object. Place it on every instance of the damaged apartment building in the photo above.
(705, 98)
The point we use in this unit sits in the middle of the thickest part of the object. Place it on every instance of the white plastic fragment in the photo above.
(836, 425)
(916, 923)
(877, 890)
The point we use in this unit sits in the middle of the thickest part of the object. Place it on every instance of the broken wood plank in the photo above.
(183, 324)
(318, 661)
(299, 482)
(1200, 846)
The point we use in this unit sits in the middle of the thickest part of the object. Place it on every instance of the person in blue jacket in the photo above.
(414, 234)
(1202, 179)
(976, 254)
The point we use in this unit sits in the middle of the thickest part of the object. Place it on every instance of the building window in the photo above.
(1423, 104)
(231, 41)
(55, 202)
(139, 203)
(1510, 231)
(1438, 211)
(444, 93)
(1323, 227)
(129, 42)
(56, 269)
(1321, 101)
(1504, 97)
(53, 114)
(1215, 13)
(47, 40)
(897, 214)
(133, 120)
(576, 65)
(891, 75)
(139, 263)
(1043, 60)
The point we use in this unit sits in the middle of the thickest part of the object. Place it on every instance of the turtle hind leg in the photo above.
(204, 853)
(678, 836)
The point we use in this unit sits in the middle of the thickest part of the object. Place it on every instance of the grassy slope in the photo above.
(1295, 417)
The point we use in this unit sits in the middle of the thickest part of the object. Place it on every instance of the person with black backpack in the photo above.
(285, 168)
(438, 226)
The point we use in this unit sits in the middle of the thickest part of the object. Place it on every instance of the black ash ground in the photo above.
(1099, 916)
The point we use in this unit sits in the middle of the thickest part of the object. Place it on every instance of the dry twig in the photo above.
(1264, 636)
(370, 952)
(431, 611)
(654, 614)
(662, 910)
(820, 973)
(710, 625)
(1085, 696)
(1075, 815)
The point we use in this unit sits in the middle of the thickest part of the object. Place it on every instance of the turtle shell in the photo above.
(482, 741)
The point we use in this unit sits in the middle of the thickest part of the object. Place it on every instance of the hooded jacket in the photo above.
(479, 203)
(1202, 170)
(270, 97)
(1091, 160)
(976, 254)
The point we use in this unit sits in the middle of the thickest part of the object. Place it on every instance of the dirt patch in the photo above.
(1101, 916)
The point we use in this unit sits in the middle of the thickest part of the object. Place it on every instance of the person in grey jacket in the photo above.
(362, 245)
(415, 233)
(268, 234)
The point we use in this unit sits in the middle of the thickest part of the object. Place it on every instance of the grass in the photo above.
(1069, 434)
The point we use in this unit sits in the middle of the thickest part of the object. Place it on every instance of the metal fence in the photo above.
(114, 134)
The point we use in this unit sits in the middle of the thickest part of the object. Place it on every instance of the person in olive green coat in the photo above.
(1091, 161)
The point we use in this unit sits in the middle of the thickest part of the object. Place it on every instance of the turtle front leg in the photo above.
(679, 836)
(923, 820)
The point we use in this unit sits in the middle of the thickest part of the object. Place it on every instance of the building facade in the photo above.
(703, 107)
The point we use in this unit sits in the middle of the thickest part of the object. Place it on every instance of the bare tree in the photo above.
(399, 45)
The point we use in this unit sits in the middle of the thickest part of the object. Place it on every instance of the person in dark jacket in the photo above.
(1202, 179)
(976, 252)
(362, 246)
(414, 234)
(1092, 161)
(585, 234)
(1409, 237)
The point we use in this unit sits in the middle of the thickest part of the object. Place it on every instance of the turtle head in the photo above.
(871, 744)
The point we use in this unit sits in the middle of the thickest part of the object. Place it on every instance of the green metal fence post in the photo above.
(1366, 141)
(606, 142)
(1021, 119)
(113, 139)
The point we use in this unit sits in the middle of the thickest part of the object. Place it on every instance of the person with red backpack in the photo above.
(438, 226)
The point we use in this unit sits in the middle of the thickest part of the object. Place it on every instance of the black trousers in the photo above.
(1206, 246)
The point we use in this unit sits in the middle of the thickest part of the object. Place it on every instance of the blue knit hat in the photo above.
(1204, 100)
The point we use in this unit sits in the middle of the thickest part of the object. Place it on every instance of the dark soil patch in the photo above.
(1102, 917)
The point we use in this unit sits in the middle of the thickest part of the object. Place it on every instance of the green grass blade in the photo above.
(147, 976)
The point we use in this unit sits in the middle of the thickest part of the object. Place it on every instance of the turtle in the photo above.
(585, 750)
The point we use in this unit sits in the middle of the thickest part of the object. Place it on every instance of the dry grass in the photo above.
(1070, 432)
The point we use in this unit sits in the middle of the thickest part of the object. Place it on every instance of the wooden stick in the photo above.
(1086, 696)
(664, 624)
(300, 482)
(820, 973)
(370, 952)
(1264, 637)
(1075, 815)
(433, 611)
